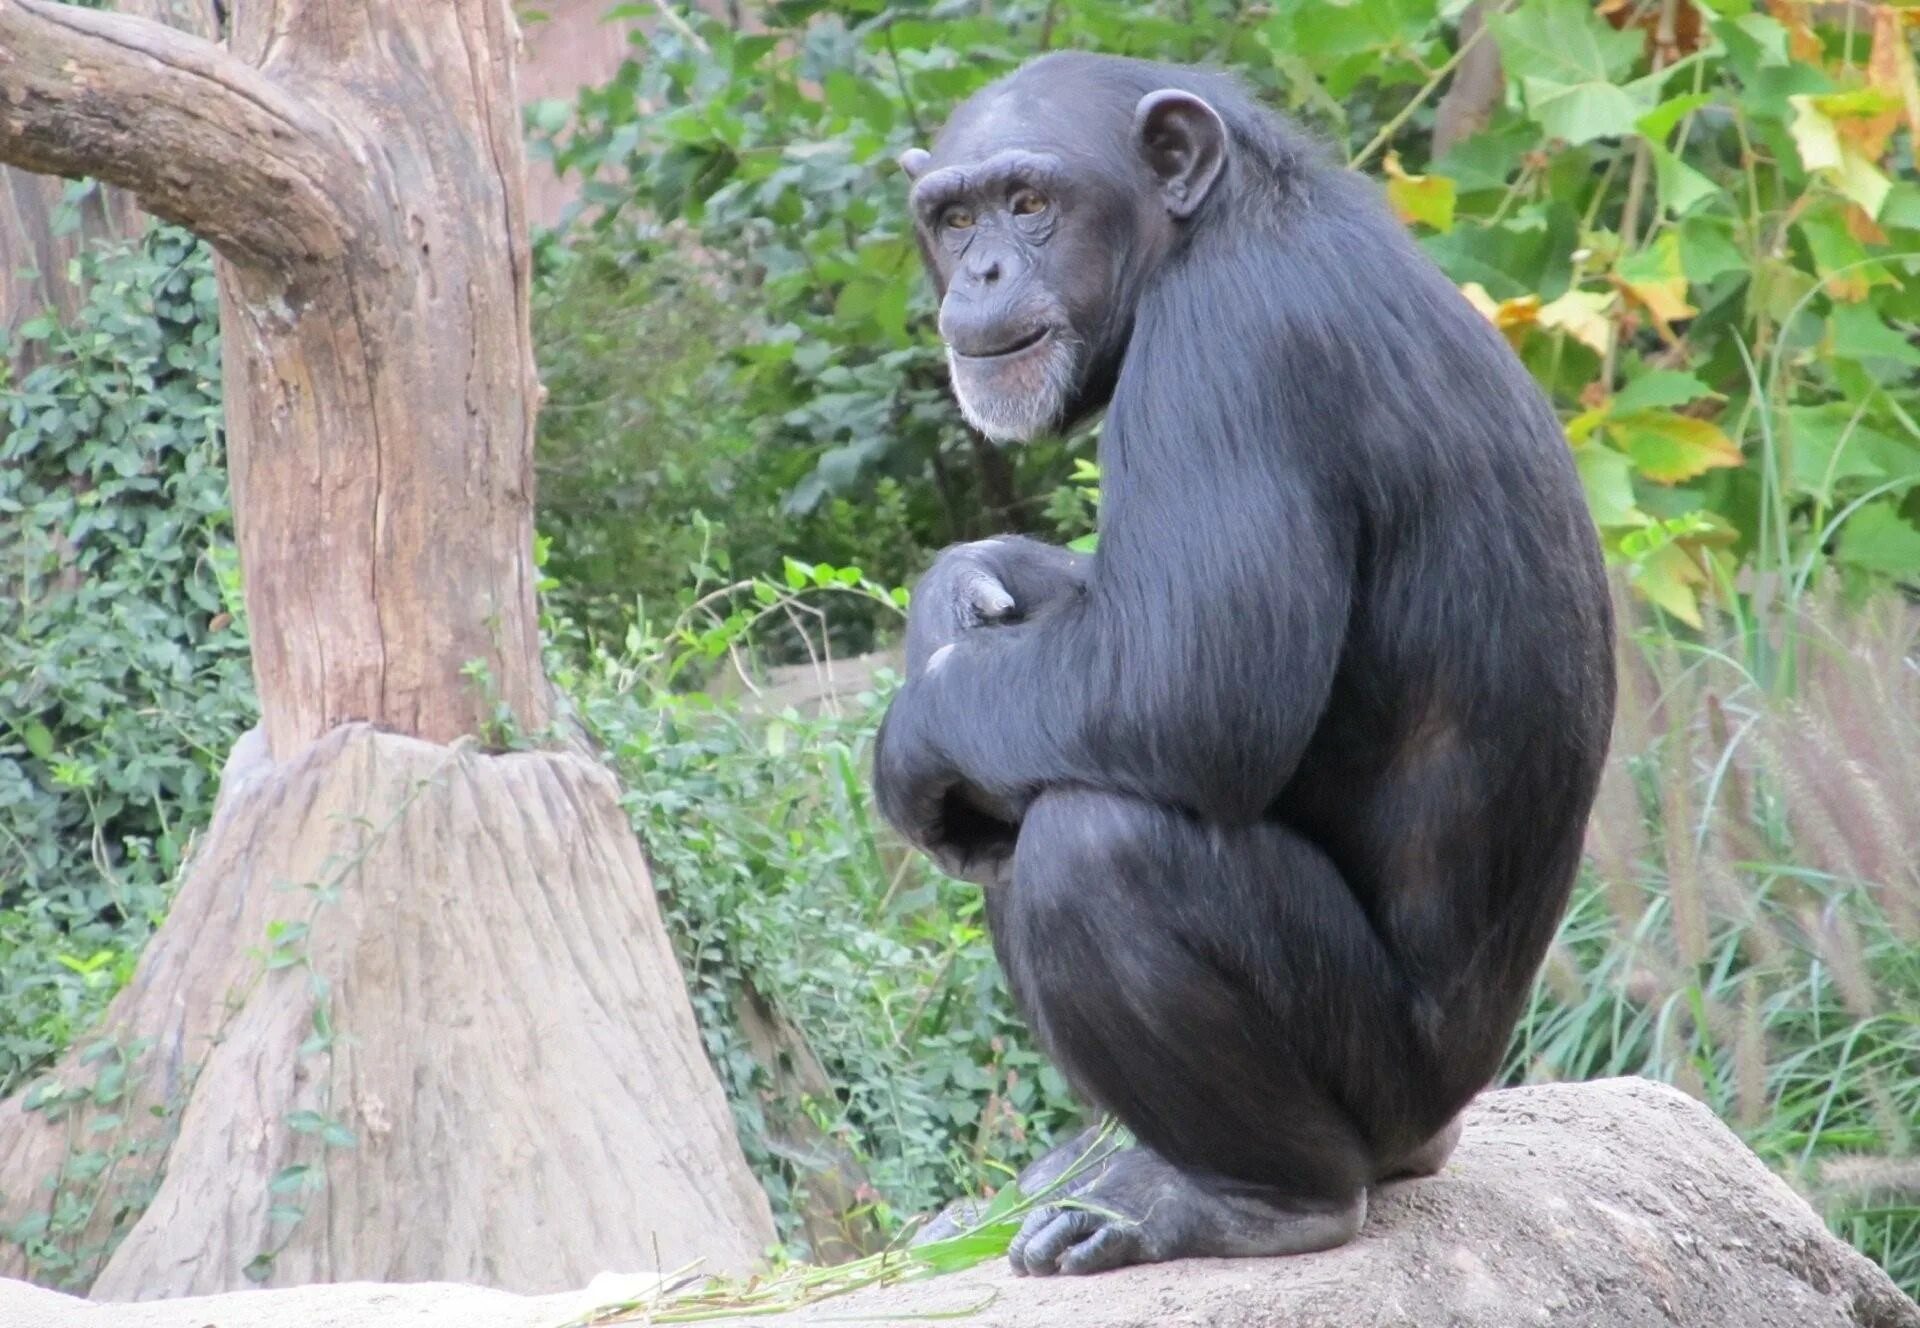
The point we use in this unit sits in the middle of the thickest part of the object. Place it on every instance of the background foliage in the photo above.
(1696, 225)
(122, 678)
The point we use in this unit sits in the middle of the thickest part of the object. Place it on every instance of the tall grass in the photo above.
(1749, 926)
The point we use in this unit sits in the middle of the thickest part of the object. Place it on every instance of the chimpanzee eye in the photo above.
(1027, 202)
(956, 219)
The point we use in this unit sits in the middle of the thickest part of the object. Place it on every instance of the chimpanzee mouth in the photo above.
(1025, 343)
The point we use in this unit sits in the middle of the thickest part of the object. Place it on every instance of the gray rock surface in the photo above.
(1603, 1205)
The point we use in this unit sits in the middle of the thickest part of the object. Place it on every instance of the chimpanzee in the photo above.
(1278, 795)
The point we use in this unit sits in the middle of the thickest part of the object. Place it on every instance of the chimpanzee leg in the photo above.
(1221, 992)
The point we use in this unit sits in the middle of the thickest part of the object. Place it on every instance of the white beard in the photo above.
(1014, 403)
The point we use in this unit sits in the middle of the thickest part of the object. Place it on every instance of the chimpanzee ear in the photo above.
(1184, 141)
(914, 161)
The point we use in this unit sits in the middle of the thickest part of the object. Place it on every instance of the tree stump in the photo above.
(437, 981)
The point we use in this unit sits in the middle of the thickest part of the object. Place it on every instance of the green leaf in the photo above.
(1425, 199)
(39, 741)
(289, 1179)
(1878, 539)
(1901, 209)
(1657, 123)
(1842, 261)
(1580, 112)
(1828, 445)
(1667, 577)
(958, 1252)
(1707, 250)
(1656, 388)
(1815, 135)
(306, 1122)
(1564, 42)
(1568, 62)
(1607, 478)
(1856, 332)
(1682, 188)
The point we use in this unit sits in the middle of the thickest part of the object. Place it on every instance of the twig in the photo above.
(680, 26)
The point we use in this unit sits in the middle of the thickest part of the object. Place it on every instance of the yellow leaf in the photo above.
(1654, 280)
(1513, 317)
(1668, 447)
(1861, 181)
(1585, 316)
(1814, 134)
(1841, 134)
(1427, 199)
(1477, 297)
(1864, 118)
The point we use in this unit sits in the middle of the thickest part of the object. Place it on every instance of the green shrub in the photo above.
(122, 678)
(1703, 248)
(783, 891)
(651, 460)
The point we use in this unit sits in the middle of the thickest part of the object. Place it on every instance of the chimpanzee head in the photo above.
(1047, 202)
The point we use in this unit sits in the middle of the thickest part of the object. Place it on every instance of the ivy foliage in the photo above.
(1697, 223)
(123, 680)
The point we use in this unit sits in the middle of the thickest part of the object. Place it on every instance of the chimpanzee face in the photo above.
(1039, 222)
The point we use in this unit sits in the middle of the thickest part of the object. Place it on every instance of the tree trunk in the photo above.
(461, 1051)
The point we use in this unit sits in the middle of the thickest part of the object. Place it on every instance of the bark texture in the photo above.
(360, 172)
(517, 1093)
(34, 254)
(514, 1051)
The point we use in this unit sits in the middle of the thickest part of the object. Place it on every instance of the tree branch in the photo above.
(202, 138)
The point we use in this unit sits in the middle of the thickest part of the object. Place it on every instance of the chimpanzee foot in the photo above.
(1060, 1173)
(1142, 1209)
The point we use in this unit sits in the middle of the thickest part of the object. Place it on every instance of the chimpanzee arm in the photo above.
(1192, 672)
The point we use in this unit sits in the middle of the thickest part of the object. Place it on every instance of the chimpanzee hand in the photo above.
(995, 583)
(987, 583)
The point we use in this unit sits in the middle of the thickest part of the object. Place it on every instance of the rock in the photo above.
(1603, 1205)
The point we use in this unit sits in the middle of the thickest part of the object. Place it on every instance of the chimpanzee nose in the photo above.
(982, 274)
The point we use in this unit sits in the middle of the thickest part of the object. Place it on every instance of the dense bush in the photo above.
(784, 893)
(650, 462)
(122, 679)
(1697, 228)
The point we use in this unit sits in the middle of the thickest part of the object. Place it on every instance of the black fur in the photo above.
(1279, 796)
